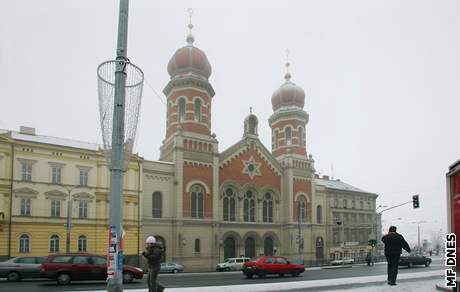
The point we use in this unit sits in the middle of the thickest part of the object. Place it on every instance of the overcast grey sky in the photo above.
(381, 80)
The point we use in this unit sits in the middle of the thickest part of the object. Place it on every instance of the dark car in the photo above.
(171, 268)
(19, 268)
(82, 266)
(265, 265)
(410, 260)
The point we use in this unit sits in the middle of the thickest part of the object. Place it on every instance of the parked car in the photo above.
(65, 268)
(344, 261)
(410, 260)
(19, 268)
(232, 264)
(265, 265)
(171, 268)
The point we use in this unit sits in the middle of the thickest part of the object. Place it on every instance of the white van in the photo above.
(232, 264)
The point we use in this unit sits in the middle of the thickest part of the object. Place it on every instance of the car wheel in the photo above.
(175, 271)
(281, 275)
(227, 270)
(13, 276)
(249, 276)
(128, 277)
(262, 274)
(63, 279)
(427, 264)
(410, 265)
(295, 273)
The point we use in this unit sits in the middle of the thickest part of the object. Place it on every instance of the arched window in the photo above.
(197, 245)
(249, 207)
(54, 243)
(82, 243)
(229, 248)
(267, 207)
(156, 205)
(229, 205)
(24, 243)
(268, 246)
(345, 203)
(275, 143)
(250, 247)
(197, 204)
(197, 110)
(302, 209)
(319, 214)
(181, 109)
(252, 125)
(361, 205)
(288, 135)
(168, 114)
(300, 136)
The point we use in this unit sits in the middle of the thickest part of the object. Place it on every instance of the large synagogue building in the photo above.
(247, 200)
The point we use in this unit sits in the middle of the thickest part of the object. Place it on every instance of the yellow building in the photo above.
(38, 175)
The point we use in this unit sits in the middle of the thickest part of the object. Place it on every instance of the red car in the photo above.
(265, 265)
(82, 266)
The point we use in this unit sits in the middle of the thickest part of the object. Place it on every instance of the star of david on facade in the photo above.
(251, 167)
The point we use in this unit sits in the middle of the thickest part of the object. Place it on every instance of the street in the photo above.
(220, 279)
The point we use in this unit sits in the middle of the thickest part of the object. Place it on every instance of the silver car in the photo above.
(18, 268)
(171, 268)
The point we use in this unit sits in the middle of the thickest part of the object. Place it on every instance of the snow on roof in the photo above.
(338, 185)
(54, 141)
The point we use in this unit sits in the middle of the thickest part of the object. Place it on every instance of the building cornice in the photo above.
(188, 81)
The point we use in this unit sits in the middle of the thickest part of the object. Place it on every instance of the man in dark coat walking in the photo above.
(394, 243)
(154, 252)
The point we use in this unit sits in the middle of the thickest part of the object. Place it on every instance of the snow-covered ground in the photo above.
(420, 282)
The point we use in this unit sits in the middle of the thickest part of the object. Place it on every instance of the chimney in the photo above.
(27, 130)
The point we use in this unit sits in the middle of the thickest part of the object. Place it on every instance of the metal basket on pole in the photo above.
(120, 93)
(133, 98)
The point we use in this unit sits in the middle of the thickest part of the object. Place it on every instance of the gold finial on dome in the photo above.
(190, 37)
(287, 76)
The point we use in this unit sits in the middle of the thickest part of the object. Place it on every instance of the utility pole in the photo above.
(418, 235)
(118, 80)
(115, 283)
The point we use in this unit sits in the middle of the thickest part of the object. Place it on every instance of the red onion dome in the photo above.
(289, 94)
(189, 59)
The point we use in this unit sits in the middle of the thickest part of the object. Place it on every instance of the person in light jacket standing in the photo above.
(394, 243)
(154, 252)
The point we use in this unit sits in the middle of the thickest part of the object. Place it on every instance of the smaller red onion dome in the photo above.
(289, 94)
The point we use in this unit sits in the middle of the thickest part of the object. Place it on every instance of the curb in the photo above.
(442, 288)
(336, 267)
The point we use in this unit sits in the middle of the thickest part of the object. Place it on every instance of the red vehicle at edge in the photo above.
(265, 265)
(82, 266)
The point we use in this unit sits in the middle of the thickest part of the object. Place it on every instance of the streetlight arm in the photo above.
(394, 207)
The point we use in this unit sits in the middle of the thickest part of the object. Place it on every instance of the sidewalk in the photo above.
(408, 282)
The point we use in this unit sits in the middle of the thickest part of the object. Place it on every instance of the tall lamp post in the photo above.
(120, 91)
(418, 230)
(69, 216)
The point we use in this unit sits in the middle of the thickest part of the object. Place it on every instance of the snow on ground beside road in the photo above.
(412, 286)
(415, 282)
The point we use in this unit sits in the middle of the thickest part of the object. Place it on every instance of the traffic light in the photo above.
(415, 202)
